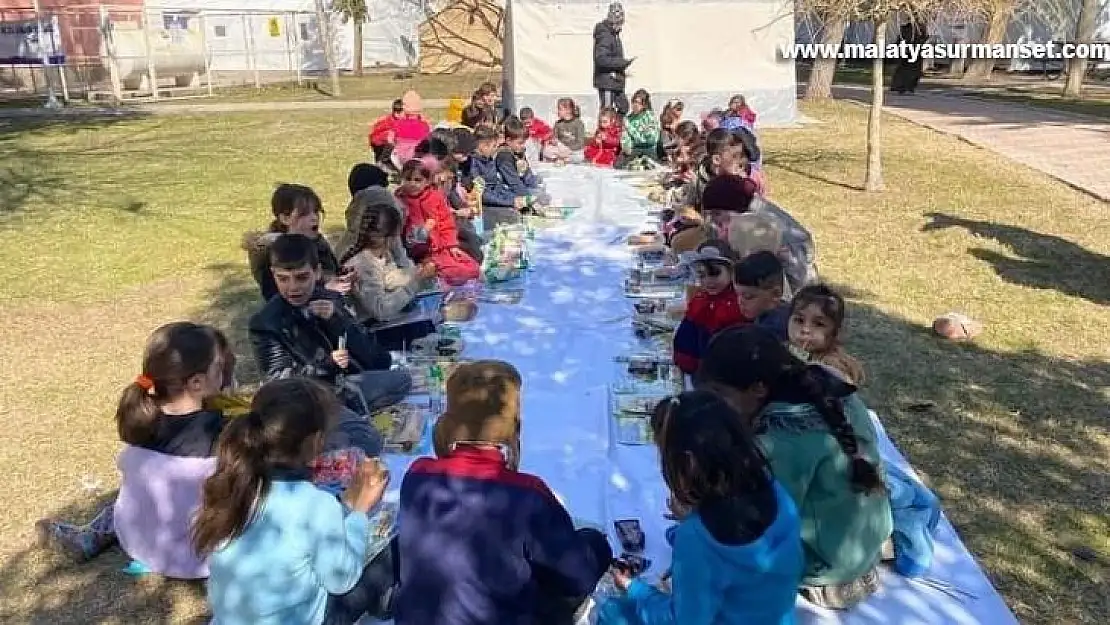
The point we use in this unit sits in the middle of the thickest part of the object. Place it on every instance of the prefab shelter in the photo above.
(699, 51)
(464, 35)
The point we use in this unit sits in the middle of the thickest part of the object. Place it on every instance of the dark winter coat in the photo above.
(609, 62)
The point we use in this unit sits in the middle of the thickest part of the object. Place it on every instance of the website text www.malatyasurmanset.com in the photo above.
(940, 51)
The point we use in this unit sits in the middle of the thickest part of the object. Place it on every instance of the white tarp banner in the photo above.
(31, 42)
(699, 51)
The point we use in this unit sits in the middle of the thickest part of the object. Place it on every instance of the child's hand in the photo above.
(429, 224)
(368, 485)
(426, 270)
(322, 308)
(391, 137)
(341, 358)
(339, 284)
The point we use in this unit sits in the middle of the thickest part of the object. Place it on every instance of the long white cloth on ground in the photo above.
(563, 337)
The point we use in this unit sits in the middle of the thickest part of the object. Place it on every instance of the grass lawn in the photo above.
(110, 228)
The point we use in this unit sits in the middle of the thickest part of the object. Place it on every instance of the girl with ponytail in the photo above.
(281, 550)
(818, 437)
(170, 437)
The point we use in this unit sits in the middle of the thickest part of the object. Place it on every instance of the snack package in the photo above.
(334, 470)
(631, 535)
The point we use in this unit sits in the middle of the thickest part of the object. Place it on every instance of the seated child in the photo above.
(640, 138)
(816, 321)
(429, 230)
(180, 436)
(512, 162)
(603, 147)
(410, 129)
(538, 133)
(714, 306)
(737, 548)
(751, 223)
(822, 446)
(363, 176)
(442, 158)
(491, 544)
(712, 120)
(759, 280)
(296, 210)
(307, 332)
(386, 280)
(474, 115)
(383, 133)
(280, 549)
(685, 152)
(169, 443)
(500, 203)
(570, 135)
(669, 120)
(738, 115)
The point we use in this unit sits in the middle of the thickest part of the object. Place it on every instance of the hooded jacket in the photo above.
(610, 65)
(843, 530)
(722, 584)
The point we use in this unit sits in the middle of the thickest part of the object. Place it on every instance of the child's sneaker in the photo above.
(78, 543)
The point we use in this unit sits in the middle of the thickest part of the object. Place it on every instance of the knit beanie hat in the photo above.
(728, 193)
(615, 15)
(411, 103)
(483, 407)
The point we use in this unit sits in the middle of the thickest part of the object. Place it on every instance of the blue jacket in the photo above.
(777, 320)
(475, 535)
(504, 182)
(715, 584)
(301, 547)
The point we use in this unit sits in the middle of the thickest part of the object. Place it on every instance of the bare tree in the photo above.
(833, 16)
(326, 32)
(873, 179)
(1084, 33)
(997, 15)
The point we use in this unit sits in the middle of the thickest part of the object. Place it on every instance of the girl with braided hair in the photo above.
(818, 437)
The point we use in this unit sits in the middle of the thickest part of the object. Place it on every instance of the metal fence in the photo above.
(121, 52)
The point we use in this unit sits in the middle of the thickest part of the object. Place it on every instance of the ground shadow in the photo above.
(1044, 261)
(26, 175)
(801, 163)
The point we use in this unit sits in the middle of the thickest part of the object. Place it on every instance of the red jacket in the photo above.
(604, 147)
(538, 130)
(452, 264)
(706, 315)
(381, 128)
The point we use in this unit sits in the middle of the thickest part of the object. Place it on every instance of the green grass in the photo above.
(109, 228)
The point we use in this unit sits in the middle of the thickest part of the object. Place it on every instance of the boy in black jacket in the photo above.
(307, 331)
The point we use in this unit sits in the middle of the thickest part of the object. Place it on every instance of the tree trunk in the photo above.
(874, 178)
(979, 70)
(358, 48)
(959, 35)
(1084, 32)
(823, 70)
(323, 23)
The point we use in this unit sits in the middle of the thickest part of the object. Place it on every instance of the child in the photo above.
(738, 115)
(475, 115)
(410, 129)
(737, 548)
(640, 138)
(364, 175)
(712, 120)
(512, 162)
(669, 120)
(816, 320)
(491, 544)
(716, 141)
(169, 439)
(429, 231)
(751, 223)
(570, 135)
(383, 133)
(822, 446)
(537, 130)
(713, 307)
(281, 550)
(306, 332)
(443, 147)
(603, 148)
(759, 280)
(297, 210)
(500, 203)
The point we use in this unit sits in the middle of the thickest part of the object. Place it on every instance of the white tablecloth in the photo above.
(563, 336)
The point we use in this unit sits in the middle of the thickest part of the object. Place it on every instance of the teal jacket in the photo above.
(641, 132)
(843, 531)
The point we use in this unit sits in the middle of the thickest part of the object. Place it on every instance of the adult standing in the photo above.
(609, 62)
(908, 74)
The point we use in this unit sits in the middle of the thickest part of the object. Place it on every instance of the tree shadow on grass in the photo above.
(1015, 445)
(26, 174)
(802, 164)
(1045, 261)
(40, 587)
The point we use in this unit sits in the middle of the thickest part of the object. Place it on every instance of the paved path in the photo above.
(1072, 148)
